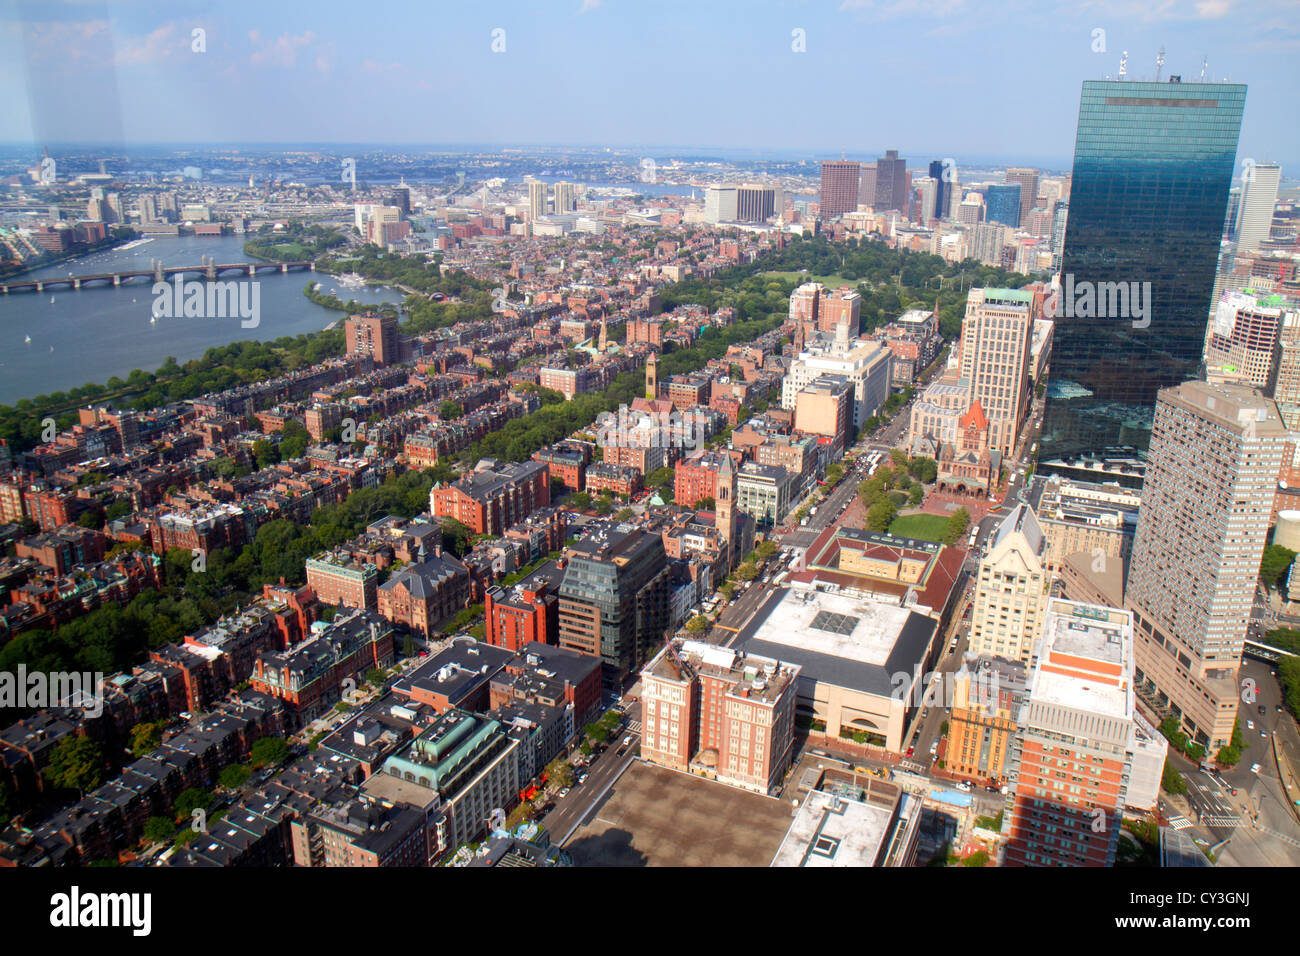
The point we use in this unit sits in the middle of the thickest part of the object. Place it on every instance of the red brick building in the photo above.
(527, 611)
(619, 479)
(494, 496)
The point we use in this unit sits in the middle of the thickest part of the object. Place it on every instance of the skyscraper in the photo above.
(996, 338)
(1216, 452)
(1258, 197)
(891, 182)
(1072, 753)
(839, 191)
(755, 203)
(564, 198)
(942, 195)
(1149, 190)
(536, 200)
(721, 203)
(924, 206)
(1027, 179)
(1004, 204)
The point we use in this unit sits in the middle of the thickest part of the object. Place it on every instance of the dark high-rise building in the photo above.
(839, 192)
(401, 198)
(891, 182)
(941, 195)
(1002, 204)
(614, 598)
(1149, 191)
(755, 203)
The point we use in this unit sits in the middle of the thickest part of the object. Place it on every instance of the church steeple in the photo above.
(652, 376)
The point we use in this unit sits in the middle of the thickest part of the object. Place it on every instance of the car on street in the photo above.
(911, 751)
(627, 740)
(582, 778)
(963, 786)
(564, 792)
(1254, 768)
(1250, 725)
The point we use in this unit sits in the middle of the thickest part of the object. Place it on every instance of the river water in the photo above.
(99, 331)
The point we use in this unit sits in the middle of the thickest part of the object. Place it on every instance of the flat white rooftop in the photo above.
(836, 625)
(834, 831)
(1090, 633)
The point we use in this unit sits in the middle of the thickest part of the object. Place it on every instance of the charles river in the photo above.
(100, 331)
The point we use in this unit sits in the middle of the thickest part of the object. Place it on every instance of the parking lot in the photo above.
(658, 817)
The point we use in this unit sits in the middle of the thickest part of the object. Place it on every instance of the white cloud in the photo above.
(282, 51)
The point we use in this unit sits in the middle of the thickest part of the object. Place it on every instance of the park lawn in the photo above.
(920, 526)
(831, 282)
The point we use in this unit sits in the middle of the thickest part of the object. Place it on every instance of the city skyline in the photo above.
(116, 74)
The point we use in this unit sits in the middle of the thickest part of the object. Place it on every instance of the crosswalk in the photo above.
(634, 726)
(1180, 823)
(1222, 820)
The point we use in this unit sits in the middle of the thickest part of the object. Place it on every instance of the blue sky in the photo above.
(933, 78)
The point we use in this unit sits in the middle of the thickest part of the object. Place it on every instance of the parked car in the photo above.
(627, 740)
(963, 786)
(1254, 768)
(564, 792)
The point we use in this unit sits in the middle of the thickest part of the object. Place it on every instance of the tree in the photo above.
(580, 500)
(697, 624)
(767, 549)
(881, 515)
(265, 453)
(747, 571)
(958, 522)
(158, 830)
(705, 504)
(268, 750)
(1275, 565)
(294, 439)
(145, 738)
(916, 495)
(624, 514)
(450, 410)
(234, 776)
(923, 469)
(189, 800)
(1172, 781)
(76, 764)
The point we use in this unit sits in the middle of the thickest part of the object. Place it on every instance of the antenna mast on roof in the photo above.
(1160, 63)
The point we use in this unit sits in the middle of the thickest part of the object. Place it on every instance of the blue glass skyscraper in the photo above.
(941, 195)
(1153, 165)
(1002, 204)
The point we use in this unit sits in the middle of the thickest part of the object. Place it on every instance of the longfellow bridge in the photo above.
(157, 272)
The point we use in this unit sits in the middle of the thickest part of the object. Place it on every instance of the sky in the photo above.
(933, 78)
